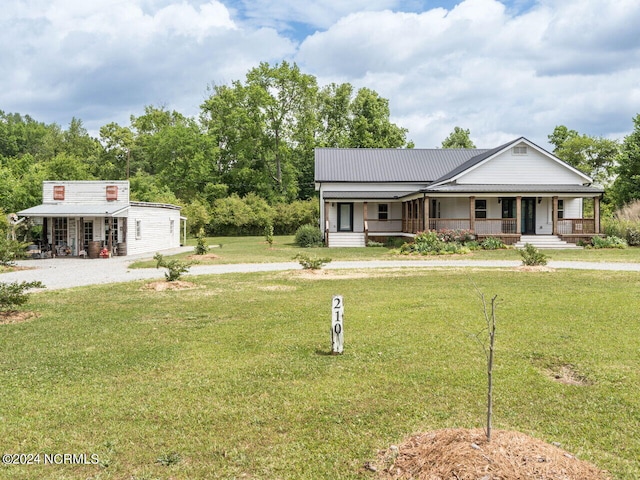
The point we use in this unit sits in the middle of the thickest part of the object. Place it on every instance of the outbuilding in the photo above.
(84, 218)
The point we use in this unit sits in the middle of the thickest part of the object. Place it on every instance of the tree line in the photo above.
(246, 161)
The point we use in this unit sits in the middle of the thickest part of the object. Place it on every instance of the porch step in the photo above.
(346, 239)
(545, 242)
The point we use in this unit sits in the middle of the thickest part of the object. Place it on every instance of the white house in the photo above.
(513, 190)
(83, 217)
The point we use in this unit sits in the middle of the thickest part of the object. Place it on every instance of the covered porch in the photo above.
(505, 217)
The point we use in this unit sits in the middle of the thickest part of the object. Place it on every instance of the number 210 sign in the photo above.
(337, 329)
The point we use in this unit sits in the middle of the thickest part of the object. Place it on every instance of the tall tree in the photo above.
(370, 126)
(594, 156)
(626, 186)
(459, 138)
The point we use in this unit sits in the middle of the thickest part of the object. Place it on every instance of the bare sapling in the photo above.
(487, 338)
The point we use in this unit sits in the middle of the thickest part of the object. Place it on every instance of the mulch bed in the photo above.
(16, 316)
(461, 454)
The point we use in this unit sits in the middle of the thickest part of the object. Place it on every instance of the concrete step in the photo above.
(346, 239)
(545, 242)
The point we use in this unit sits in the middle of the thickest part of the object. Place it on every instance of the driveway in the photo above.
(58, 273)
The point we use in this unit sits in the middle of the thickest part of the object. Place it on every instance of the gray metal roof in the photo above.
(388, 164)
(76, 210)
(513, 188)
(371, 195)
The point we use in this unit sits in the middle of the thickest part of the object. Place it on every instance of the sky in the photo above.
(500, 68)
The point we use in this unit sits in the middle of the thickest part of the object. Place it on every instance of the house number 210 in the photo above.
(337, 328)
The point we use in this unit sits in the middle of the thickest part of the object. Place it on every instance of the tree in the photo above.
(459, 138)
(593, 156)
(626, 186)
(370, 126)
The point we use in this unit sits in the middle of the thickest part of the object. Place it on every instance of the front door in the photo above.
(529, 216)
(345, 217)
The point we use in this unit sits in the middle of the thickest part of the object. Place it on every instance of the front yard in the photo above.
(232, 379)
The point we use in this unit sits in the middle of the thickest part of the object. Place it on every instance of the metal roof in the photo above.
(513, 188)
(76, 210)
(371, 195)
(388, 164)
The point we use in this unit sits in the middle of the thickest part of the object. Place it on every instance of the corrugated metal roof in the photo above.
(547, 188)
(75, 210)
(388, 164)
(371, 195)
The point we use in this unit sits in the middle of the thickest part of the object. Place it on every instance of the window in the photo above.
(138, 229)
(58, 192)
(60, 231)
(383, 211)
(560, 208)
(520, 150)
(171, 227)
(481, 209)
(508, 207)
(111, 230)
(112, 193)
(88, 234)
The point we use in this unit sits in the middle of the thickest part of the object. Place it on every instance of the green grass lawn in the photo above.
(256, 250)
(233, 379)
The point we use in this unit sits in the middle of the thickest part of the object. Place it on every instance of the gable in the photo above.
(522, 163)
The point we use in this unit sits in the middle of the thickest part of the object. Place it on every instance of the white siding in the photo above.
(89, 192)
(155, 223)
(532, 168)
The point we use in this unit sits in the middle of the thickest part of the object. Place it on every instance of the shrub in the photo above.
(492, 243)
(608, 242)
(13, 294)
(175, 268)
(430, 243)
(201, 243)
(308, 236)
(288, 217)
(311, 263)
(10, 251)
(268, 234)
(531, 256)
(373, 243)
(457, 235)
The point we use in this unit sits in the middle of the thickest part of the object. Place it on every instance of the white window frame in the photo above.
(138, 229)
(520, 150)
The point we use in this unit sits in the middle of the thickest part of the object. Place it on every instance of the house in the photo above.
(512, 192)
(84, 217)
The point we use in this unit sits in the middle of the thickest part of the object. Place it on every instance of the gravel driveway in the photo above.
(57, 273)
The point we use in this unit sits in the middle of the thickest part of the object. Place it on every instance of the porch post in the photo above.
(518, 215)
(326, 223)
(596, 214)
(554, 214)
(81, 239)
(425, 213)
(472, 214)
(365, 223)
(416, 214)
(405, 214)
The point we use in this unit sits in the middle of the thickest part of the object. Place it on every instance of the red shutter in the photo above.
(112, 192)
(58, 192)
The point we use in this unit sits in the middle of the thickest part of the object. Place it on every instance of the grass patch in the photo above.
(257, 250)
(234, 378)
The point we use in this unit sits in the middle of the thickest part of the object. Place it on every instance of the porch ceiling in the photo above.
(541, 189)
(80, 210)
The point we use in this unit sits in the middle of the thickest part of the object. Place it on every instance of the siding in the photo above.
(90, 192)
(155, 229)
(532, 168)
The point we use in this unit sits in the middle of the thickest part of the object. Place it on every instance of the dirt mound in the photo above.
(16, 316)
(460, 454)
(162, 286)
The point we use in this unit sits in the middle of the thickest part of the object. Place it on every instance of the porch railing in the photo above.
(483, 226)
(576, 226)
(378, 226)
(449, 224)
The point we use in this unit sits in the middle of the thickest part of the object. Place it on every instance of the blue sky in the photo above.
(502, 69)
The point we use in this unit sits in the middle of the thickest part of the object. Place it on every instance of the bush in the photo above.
(311, 263)
(492, 243)
(455, 235)
(268, 234)
(431, 243)
(308, 236)
(175, 268)
(10, 251)
(373, 243)
(288, 217)
(608, 242)
(531, 256)
(240, 216)
(201, 247)
(13, 294)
